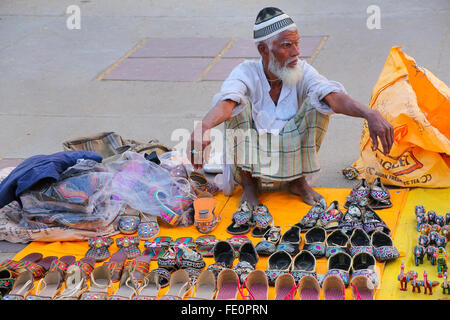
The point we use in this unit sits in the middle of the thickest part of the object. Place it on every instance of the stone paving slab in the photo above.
(181, 47)
(159, 69)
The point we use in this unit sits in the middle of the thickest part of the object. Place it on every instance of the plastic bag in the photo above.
(417, 104)
(149, 188)
(80, 199)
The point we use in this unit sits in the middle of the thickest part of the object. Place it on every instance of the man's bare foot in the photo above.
(301, 188)
(249, 189)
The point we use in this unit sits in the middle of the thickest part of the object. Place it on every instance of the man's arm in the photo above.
(200, 137)
(378, 126)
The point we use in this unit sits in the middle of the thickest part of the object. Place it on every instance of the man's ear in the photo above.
(263, 50)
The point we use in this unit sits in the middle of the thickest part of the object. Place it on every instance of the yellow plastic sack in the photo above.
(417, 104)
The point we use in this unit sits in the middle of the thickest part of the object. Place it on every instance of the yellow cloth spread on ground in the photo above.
(286, 208)
(405, 239)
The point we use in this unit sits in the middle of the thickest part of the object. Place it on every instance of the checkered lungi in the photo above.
(275, 159)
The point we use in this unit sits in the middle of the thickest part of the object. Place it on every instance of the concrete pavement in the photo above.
(48, 92)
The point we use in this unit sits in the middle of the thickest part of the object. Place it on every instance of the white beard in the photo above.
(290, 76)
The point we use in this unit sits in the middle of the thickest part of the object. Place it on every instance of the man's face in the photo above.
(285, 48)
(283, 58)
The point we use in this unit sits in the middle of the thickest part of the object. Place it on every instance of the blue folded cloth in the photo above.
(38, 168)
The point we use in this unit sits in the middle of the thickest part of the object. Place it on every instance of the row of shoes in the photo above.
(361, 267)
(331, 218)
(321, 244)
(51, 272)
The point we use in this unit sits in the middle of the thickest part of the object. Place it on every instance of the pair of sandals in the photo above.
(363, 217)
(375, 195)
(49, 285)
(281, 262)
(320, 245)
(229, 286)
(362, 268)
(321, 215)
(225, 253)
(146, 226)
(274, 240)
(246, 216)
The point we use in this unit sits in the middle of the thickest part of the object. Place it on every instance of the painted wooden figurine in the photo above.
(445, 285)
(403, 278)
(428, 286)
(419, 253)
(441, 260)
(414, 283)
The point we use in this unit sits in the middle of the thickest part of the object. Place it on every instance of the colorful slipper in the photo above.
(257, 285)
(179, 286)
(262, 219)
(170, 260)
(359, 194)
(129, 246)
(164, 276)
(285, 287)
(99, 248)
(364, 264)
(310, 219)
(337, 241)
(183, 241)
(352, 219)
(333, 288)
(149, 288)
(6, 282)
(116, 264)
(128, 287)
(148, 227)
(13, 266)
(205, 245)
(52, 284)
(241, 219)
(372, 222)
(190, 258)
(86, 265)
(100, 285)
(315, 241)
(360, 242)
(128, 223)
(339, 264)
(248, 258)
(383, 247)
(205, 286)
(304, 264)
(22, 287)
(279, 263)
(330, 218)
(309, 288)
(157, 248)
(227, 285)
(75, 284)
(237, 242)
(380, 195)
(268, 244)
(205, 220)
(40, 268)
(224, 256)
(62, 264)
(290, 241)
(138, 267)
(362, 288)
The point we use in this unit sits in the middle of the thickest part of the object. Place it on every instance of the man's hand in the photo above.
(200, 139)
(379, 128)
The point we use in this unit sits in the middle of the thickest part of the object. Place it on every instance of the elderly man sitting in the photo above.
(287, 103)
